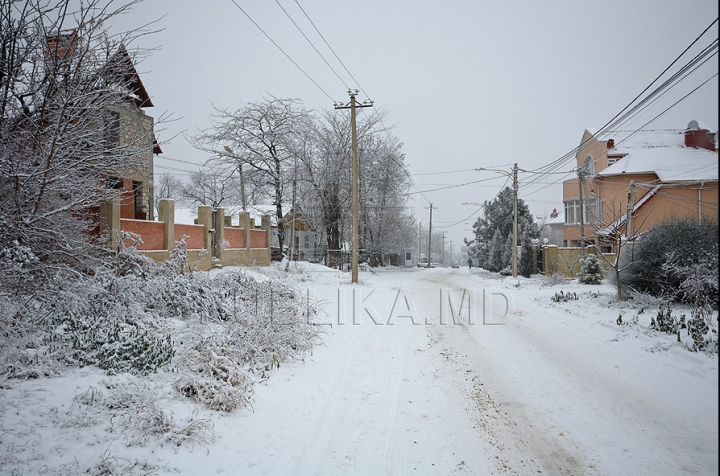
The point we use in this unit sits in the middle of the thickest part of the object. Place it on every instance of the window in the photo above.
(572, 211)
(113, 129)
(612, 161)
(589, 166)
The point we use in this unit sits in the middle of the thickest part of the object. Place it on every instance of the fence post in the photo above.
(205, 219)
(245, 225)
(166, 214)
(219, 232)
(110, 221)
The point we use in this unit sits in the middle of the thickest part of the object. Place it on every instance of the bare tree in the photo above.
(260, 136)
(387, 226)
(167, 186)
(62, 76)
(615, 230)
(213, 186)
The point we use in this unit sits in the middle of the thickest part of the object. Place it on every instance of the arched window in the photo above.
(589, 166)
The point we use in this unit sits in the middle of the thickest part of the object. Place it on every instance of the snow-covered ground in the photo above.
(505, 382)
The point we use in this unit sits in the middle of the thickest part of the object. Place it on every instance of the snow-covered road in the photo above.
(553, 390)
(507, 382)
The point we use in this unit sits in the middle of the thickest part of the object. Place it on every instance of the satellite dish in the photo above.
(693, 125)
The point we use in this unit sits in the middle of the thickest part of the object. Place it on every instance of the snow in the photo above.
(557, 388)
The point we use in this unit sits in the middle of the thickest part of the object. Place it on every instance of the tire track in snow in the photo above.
(519, 444)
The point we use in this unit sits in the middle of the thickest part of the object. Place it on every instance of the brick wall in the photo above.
(235, 237)
(127, 199)
(151, 232)
(257, 239)
(195, 233)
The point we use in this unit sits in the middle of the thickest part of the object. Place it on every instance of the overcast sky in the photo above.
(466, 84)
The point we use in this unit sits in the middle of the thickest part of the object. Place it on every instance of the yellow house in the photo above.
(629, 181)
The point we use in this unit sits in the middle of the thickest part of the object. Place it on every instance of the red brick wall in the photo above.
(257, 239)
(195, 233)
(151, 232)
(236, 237)
(127, 200)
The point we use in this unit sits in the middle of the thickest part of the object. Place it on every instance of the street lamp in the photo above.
(513, 176)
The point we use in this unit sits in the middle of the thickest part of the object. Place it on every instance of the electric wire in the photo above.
(331, 49)
(283, 51)
(311, 44)
(619, 118)
(630, 135)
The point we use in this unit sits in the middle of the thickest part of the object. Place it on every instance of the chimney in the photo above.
(611, 143)
(62, 45)
(697, 138)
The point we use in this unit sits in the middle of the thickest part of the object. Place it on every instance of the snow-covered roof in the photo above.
(662, 152)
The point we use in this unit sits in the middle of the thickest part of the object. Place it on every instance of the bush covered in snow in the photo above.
(220, 332)
(700, 327)
(677, 259)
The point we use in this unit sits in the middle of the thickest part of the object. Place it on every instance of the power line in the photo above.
(331, 49)
(311, 44)
(283, 51)
(620, 117)
(455, 186)
(618, 143)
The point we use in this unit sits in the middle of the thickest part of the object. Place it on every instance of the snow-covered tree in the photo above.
(591, 271)
(499, 216)
(212, 185)
(259, 137)
(495, 252)
(526, 264)
(166, 186)
(63, 77)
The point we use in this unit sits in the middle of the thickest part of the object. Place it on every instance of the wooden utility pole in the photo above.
(352, 105)
(630, 205)
(429, 253)
(581, 210)
(515, 221)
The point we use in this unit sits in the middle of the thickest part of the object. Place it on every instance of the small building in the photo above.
(303, 249)
(407, 259)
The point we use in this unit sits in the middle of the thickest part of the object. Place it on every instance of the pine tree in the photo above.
(499, 216)
(507, 252)
(527, 263)
(495, 258)
(591, 271)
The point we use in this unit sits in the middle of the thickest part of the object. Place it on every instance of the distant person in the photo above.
(469, 263)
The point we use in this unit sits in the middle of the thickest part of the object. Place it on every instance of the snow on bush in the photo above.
(220, 332)
(674, 260)
(553, 278)
(591, 270)
(564, 297)
(217, 382)
(700, 328)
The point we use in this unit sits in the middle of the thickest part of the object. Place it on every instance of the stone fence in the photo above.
(567, 260)
(211, 242)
